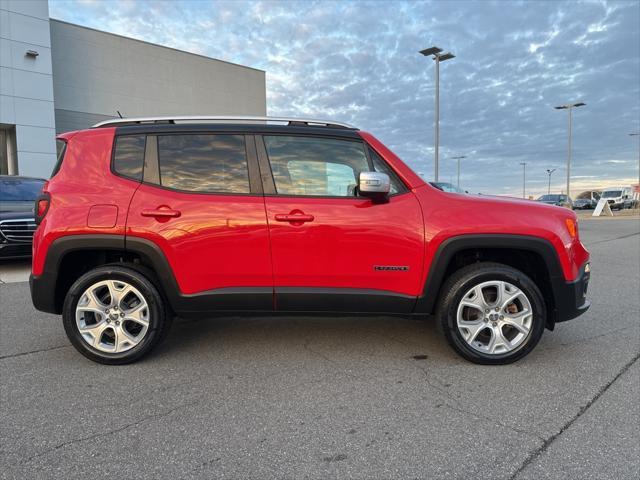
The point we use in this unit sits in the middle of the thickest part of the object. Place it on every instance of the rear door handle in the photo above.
(161, 213)
(295, 218)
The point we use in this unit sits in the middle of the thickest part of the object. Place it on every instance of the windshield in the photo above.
(611, 193)
(552, 198)
(588, 196)
(20, 189)
(447, 187)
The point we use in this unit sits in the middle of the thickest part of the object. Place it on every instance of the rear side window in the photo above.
(129, 156)
(204, 163)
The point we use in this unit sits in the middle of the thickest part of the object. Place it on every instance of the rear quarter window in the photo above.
(61, 149)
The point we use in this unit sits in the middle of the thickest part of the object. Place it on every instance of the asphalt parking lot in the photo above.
(331, 397)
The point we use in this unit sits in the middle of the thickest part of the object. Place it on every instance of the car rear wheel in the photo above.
(114, 315)
(492, 313)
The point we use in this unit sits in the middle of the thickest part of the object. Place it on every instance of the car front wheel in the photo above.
(114, 315)
(492, 313)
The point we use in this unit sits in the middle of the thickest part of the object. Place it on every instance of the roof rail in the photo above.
(224, 119)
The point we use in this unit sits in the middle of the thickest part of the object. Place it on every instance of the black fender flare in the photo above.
(427, 302)
(44, 286)
(45, 298)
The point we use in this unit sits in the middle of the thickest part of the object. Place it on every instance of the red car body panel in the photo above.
(84, 181)
(448, 215)
(218, 241)
(346, 240)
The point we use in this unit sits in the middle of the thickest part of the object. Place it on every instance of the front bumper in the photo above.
(571, 297)
(15, 250)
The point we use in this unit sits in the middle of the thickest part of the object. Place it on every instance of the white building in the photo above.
(56, 77)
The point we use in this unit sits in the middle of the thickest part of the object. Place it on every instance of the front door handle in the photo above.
(294, 218)
(161, 213)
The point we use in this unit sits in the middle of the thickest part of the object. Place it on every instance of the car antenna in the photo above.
(119, 114)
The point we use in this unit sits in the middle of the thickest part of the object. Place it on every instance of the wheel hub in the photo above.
(112, 316)
(494, 317)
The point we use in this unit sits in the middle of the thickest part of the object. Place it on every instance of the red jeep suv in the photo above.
(147, 219)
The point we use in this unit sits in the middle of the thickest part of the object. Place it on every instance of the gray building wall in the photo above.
(26, 87)
(97, 73)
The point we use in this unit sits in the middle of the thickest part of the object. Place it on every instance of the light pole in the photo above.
(458, 158)
(569, 107)
(637, 135)
(549, 172)
(436, 54)
(524, 178)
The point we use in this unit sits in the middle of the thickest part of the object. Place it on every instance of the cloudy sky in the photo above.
(358, 62)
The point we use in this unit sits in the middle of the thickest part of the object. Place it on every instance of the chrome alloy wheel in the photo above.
(112, 316)
(494, 317)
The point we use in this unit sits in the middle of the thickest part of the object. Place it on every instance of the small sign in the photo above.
(602, 208)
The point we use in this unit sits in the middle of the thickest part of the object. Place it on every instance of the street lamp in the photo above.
(569, 107)
(549, 172)
(458, 159)
(524, 178)
(436, 54)
(637, 135)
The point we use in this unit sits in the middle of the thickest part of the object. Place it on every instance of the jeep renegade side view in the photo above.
(147, 219)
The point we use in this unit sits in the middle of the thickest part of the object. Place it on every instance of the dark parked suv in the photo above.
(17, 222)
(144, 219)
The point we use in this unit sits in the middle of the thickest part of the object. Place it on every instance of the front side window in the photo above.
(204, 163)
(315, 166)
(129, 156)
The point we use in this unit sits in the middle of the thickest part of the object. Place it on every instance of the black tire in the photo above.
(159, 317)
(466, 278)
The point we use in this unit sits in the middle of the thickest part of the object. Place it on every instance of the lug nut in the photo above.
(117, 322)
(495, 324)
(501, 317)
(108, 321)
(122, 314)
(486, 311)
(486, 320)
(106, 311)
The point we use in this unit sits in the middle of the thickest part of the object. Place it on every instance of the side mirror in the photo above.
(374, 185)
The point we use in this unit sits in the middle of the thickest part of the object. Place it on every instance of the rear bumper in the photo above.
(571, 297)
(43, 293)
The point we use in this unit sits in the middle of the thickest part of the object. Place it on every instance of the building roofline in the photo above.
(154, 44)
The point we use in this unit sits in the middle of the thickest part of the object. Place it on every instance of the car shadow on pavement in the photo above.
(336, 335)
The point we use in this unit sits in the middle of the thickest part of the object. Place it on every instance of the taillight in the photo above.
(42, 207)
